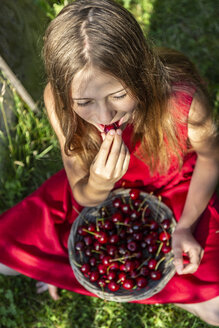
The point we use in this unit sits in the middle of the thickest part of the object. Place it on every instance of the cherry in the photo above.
(137, 203)
(166, 223)
(132, 246)
(134, 193)
(122, 233)
(152, 264)
(111, 275)
(88, 240)
(117, 202)
(102, 237)
(122, 267)
(149, 239)
(113, 239)
(88, 251)
(125, 208)
(138, 236)
(85, 268)
(106, 260)
(141, 282)
(114, 266)
(122, 277)
(113, 286)
(111, 250)
(93, 261)
(128, 284)
(152, 248)
(153, 225)
(129, 265)
(117, 217)
(108, 225)
(102, 283)
(134, 214)
(166, 248)
(155, 275)
(136, 226)
(133, 274)
(91, 227)
(109, 127)
(144, 271)
(122, 249)
(81, 230)
(94, 276)
(164, 236)
(79, 246)
(102, 268)
(97, 246)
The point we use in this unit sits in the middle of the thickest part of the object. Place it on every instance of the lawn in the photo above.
(30, 154)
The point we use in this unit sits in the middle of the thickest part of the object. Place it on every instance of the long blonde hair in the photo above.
(103, 34)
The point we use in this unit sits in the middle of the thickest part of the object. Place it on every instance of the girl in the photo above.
(101, 71)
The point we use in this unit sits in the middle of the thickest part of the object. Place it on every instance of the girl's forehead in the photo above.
(94, 81)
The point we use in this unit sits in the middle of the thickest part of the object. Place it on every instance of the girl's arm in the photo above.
(203, 183)
(93, 187)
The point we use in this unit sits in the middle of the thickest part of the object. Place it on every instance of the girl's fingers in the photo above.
(105, 147)
(123, 161)
(178, 260)
(115, 152)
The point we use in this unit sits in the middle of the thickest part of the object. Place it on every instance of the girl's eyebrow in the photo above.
(91, 98)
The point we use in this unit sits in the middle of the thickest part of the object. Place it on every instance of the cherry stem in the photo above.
(159, 249)
(145, 261)
(123, 199)
(170, 260)
(159, 262)
(123, 224)
(123, 258)
(143, 212)
(130, 203)
(142, 203)
(91, 232)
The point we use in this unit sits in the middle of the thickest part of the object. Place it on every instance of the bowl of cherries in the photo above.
(121, 249)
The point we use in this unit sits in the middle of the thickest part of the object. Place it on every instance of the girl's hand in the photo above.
(111, 162)
(184, 242)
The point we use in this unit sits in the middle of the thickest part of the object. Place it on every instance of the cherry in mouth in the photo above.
(109, 127)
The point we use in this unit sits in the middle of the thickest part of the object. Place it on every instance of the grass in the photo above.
(30, 155)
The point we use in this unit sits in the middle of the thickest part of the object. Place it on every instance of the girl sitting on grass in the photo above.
(101, 70)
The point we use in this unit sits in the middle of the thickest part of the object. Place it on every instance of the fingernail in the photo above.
(119, 132)
(112, 132)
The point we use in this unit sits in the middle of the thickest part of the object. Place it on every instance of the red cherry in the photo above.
(108, 225)
(88, 240)
(152, 248)
(129, 265)
(166, 248)
(153, 225)
(122, 267)
(79, 246)
(125, 208)
(152, 264)
(102, 268)
(85, 268)
(102, 283)
(94, 276)
(122, 277)
(106, 260)
(134, 214)
(81, 230)
(97, 246)
(128, 284)
(114, 266)
(102, 237)
(155, 275)
(132, 246)
(113, 239)
(137, 203)
(117, 217)
(117, 202)
(93, 261)
(149, 239)
(134, 193)
(144, 271)
(111, 275)
(109, 127)
(137, 236)
(113, 286)
(164, 236)
(111, 249)
(88, 251)
(166, 224)
(141, 282)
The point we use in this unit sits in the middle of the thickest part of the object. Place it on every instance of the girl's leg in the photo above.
(5, 270)
(208, 311)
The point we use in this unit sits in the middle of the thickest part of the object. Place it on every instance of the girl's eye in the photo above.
(83, 104)
(120, 97)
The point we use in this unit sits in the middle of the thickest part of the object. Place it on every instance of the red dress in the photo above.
(34, 233)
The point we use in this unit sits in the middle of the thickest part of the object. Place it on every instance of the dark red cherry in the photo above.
(102, 237)
(166, 248)
(113, 239)
(111, 275)
(113, 286)
(109, 127)
(144, 271)
(155, 275)
(137, 236)
(132, 246)
(125, 208)
(141, 282)
(128, 284)
(102, 268)
(129, 265)
(153, 225)
(88, 240)
(149, 239)
(102, 283)
(88, 251)
(117, 217)
(152, 264)
(117, 202)
(108, 225)
(93, 261)
(85, 268)
(134, 193)
(79, 246)
(114, 266)
(94, 276)
(81, 230)
(137, 203)
(121, 277)
(134, 214)
(106, 260)
(166, 224)
(152, 248)
(111, 249)
(97, 246)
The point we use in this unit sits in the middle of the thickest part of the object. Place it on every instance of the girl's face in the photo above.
(101, 99)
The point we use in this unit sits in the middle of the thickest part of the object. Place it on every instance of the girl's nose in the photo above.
(105, 113)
